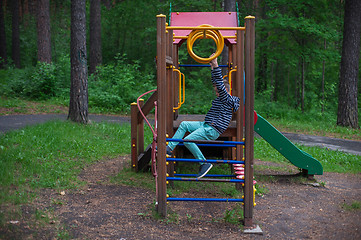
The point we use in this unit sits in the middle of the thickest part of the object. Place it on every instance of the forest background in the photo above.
(298, 54)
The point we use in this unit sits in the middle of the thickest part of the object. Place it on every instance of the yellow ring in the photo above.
(209, 34)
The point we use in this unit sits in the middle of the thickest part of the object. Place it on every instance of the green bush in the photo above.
(41, 82)
(115, 86)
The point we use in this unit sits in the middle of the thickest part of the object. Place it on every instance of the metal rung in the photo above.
(205, 179)
(208, 175)
(199, 65)
(212, 145)
(204, 141)
(204, 161)
(206, 199)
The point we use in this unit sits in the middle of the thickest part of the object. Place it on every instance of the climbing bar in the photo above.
(212, 145)
(205, 161)
(204, 141)
(206, 199)
(199, 65)
(230, 79)
(182, 97)
(204, 27)
(208, 175)
(205, 179)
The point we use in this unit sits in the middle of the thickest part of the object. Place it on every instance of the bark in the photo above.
(78, 106)
(43, 28)
(323, 79)
(15, 53)
(303, 85)
(95, 36)
(3, 56)
(347, 114)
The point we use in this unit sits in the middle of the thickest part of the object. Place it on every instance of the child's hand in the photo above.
(214, 62)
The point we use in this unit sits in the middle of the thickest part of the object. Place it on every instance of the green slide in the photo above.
(295, 155)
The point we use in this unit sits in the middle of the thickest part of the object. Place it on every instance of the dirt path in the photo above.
(101, 210)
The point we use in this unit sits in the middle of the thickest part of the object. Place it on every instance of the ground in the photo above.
(104, 210)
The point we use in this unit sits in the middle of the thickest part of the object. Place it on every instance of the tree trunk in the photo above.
(78, 107)
(272, 83)
(43, 28)
(347, 114)
(95, 36)
(15, 33)
(323, 80)
(303, 85)
(3, 56)
(288, 86)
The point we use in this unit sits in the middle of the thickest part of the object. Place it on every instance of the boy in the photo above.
(215, 123)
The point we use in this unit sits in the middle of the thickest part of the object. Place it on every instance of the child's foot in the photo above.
(169, 151)
(204, 169)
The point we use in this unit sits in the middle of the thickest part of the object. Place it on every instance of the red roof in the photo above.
(194, 19)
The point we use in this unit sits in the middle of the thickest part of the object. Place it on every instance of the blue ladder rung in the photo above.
(204, 141)
(208, 175)
(212, 145)
(204, 161)
(204, 179)
(206, 199)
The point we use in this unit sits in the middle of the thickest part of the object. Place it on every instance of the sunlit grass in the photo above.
(51, 155)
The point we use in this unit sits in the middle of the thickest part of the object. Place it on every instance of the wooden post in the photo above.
(134, 135)
(239, 58)
(162, 106)
(175, 80)
(169, 97)
(140, 130)
(249, 121)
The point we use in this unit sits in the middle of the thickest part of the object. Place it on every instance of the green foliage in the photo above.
(234, 215)
(312, 121)
(115, 86)
(41, 82)
(289, 34)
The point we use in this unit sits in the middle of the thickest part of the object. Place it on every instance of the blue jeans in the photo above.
(198, 131)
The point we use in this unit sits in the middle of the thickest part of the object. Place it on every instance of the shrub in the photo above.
(38, 83)
(115, 86)
(41, 84)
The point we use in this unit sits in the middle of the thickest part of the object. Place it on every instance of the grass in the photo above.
(313, 122)
(355, 205)
(332, 161)
(52, 155)
(21, 106)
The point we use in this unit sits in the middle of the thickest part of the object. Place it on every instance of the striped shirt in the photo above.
(220, 114)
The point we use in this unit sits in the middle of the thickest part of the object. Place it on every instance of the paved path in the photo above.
(13, 122)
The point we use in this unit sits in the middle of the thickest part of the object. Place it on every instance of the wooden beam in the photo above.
(162, 105)
(133, 136)
(249, 119)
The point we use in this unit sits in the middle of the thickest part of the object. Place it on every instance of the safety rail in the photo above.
(181, 100)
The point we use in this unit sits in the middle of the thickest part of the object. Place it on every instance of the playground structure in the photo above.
(223, 29)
